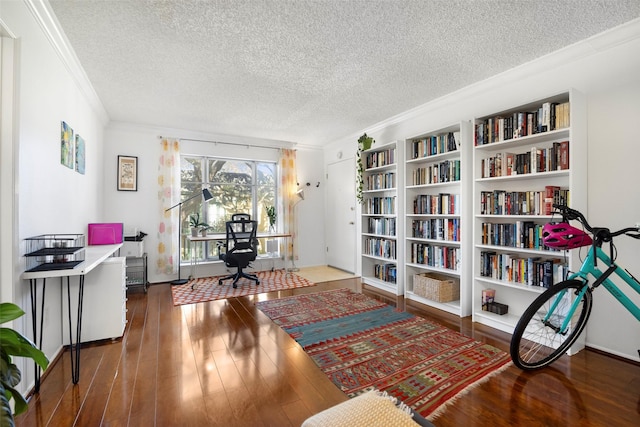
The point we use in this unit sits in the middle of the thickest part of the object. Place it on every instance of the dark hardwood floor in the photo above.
(225, 363)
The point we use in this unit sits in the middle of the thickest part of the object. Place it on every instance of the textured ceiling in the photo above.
(308, 71)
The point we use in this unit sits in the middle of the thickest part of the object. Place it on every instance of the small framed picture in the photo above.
(127, 173)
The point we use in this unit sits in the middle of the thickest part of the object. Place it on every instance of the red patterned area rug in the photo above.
(421, 363)
(207, 288)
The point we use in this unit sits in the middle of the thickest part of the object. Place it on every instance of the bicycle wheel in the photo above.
(537, 343)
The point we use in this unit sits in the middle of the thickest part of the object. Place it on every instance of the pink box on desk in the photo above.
(106, 233)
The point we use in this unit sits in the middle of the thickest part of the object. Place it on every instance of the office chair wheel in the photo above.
(235, 286)
(220, 282)
(194, 286)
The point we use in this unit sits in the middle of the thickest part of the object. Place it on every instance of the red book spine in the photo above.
(564, 155)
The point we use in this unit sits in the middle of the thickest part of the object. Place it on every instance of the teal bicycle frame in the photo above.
(602, 277)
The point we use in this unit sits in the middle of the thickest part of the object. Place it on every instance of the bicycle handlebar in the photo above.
(603, 234)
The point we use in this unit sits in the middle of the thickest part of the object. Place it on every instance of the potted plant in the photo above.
(13, 343)
(272, 215)
(204, 227)
(197, 225)
(364, 143)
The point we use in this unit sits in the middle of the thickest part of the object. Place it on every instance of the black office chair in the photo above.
(241, 249)
(239, 216)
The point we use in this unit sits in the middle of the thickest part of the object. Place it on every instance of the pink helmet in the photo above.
(564, 236)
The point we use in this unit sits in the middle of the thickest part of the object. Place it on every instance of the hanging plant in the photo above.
(364, 143)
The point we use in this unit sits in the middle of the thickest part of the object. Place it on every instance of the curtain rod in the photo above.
(271, 147)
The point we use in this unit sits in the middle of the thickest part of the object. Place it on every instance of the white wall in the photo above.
(51, 198)
(140, 209)
(607, 69)
(614, 202)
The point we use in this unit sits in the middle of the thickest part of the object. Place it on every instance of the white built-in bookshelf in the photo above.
(437, 212)
(380, 228)
(524, 159)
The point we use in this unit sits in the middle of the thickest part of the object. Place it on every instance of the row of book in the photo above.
(521, 234)
(381, 181)
(446, 257)
(501, 202)
(377, 159)
(549, 116)
(436, 144)
(386, 272)
(382, 248)
(437, 204)
(536, 160)
(382, 226)
(380, 205)
(447, 229)
(529, 271)
(446, 171)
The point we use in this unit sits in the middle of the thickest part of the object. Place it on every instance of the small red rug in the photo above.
(207, 288)
(421, 363)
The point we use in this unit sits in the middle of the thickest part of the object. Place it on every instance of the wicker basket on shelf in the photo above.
(436, 287)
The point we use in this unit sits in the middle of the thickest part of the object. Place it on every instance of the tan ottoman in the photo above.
(370, 409)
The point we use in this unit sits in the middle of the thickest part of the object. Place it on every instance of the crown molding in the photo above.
(42, 12)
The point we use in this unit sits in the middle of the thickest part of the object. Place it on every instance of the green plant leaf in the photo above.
(11, 375)
(9, 312)
(20, 404)
(14, 344)
(6, 417)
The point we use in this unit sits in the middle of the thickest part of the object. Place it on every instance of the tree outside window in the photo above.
(237, 186)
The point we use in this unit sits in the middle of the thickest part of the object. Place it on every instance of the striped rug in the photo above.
(207, 288)
(363, 346)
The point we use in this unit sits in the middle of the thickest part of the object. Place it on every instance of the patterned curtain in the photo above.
(288, 189)
(168, 195)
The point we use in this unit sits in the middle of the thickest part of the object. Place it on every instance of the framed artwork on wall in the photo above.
(127, 173)
(80, 156)
(67, 145)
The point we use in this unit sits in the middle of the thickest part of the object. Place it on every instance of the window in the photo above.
(237, 186)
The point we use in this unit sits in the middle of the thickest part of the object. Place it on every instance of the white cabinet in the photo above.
(437, 219)
(104, 313)
(519, 167)
(380, 234)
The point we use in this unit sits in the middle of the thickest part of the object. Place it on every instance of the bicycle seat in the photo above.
(563, 235)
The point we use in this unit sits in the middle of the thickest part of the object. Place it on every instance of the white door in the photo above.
(341, 215)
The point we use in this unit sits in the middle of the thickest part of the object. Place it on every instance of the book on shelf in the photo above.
(533, 202)
(529, 271)
(435, 144)
(564, 155)
(385, 272)
(380, 158)
(562, 115)
(550, 192)
(488, 296)
(547, 117)
(535, 160)
(437, 204)
(382, 248)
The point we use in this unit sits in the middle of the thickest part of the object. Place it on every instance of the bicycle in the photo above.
(555, 319)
